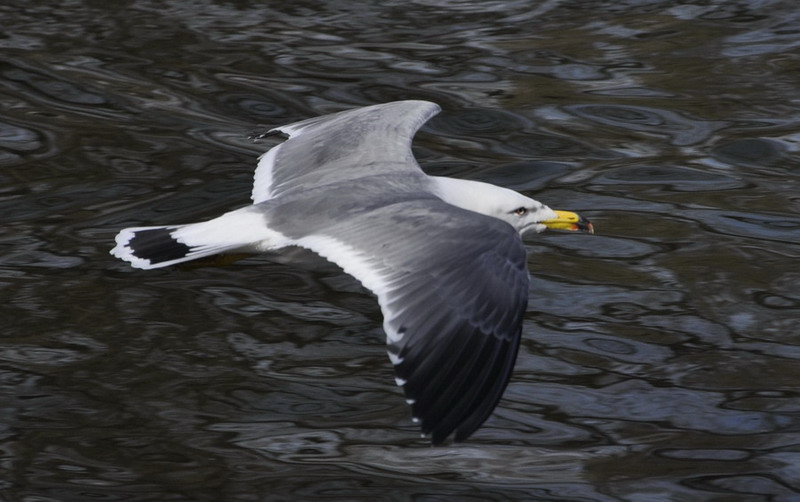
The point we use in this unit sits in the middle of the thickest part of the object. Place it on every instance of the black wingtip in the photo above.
(458, 398)
(272, 132)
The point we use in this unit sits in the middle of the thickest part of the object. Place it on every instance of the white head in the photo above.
(521, 212)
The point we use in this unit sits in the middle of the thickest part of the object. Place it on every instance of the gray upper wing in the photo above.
(453, 288)
(342, 146)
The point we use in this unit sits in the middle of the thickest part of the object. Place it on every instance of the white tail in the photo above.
(156, 247)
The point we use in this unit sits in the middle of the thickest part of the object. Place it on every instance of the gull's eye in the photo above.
(521, 211)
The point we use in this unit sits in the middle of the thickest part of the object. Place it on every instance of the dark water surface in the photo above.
(661, 357)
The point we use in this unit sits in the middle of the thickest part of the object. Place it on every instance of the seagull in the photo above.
(444, 256)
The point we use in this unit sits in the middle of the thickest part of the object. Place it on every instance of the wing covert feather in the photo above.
(342, 146)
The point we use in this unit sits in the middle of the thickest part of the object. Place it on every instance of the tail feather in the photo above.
(156, 247)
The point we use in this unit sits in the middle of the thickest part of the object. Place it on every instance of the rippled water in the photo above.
(660, 357)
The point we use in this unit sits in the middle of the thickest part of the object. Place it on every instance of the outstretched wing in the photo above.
(453, 288)
(342, 146)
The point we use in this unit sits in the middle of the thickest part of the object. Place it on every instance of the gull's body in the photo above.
(443, 256)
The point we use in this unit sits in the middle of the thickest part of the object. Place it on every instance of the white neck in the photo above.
(472, 195)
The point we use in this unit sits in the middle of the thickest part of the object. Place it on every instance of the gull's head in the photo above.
(521, 212)
(529, 215)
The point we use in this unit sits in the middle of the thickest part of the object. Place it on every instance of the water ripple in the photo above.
(679, 130)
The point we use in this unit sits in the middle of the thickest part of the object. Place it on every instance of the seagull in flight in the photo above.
(444, 256)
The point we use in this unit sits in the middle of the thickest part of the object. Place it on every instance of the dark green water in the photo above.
(660, 356)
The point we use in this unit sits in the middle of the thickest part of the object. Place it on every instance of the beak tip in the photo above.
(585, 225)
(567, 220)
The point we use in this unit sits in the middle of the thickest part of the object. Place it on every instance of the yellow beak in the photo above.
(567, 220)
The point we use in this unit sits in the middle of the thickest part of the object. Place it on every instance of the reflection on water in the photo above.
(659, 359)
